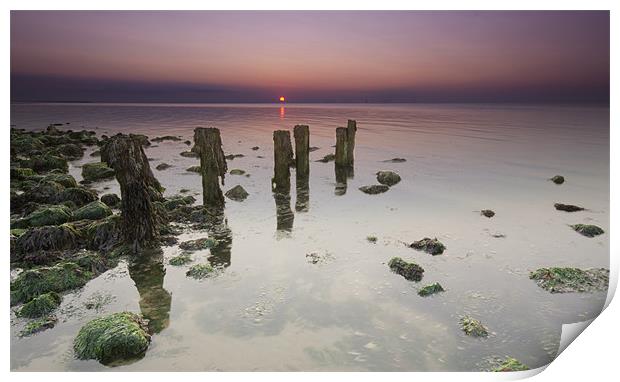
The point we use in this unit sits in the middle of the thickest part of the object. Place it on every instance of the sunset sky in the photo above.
(347, 56)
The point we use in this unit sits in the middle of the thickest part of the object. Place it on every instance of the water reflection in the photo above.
(342, 174)
(147, 272)
(284, 214)
(282, 112)
(302, 203)
(217, 227)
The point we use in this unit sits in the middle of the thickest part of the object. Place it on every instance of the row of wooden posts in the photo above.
(140, 189)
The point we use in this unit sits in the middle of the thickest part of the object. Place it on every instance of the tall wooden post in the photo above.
(351, 130)
(302, 150)
(342, 148)
(283, 158)
(139, 188)
(208, 145)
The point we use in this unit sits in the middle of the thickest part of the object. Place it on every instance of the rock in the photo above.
(96, 153)
(92, 211)
(565, 280)
(428, 245)
(473, 327)
(46, 191)
(195, 169)
(40, 306)
(588, 230)
(410, 271)
(45, 163)
(200, 271)
(314, 148)
(53, 215)
(104, 234)
(236, 171)
(189, 154)
(184, 190)
(65, 180)
(327, 158)
(567, 207)
(70, 151)
(39, 325)
(166, 138)
(558, 179)
(255, 148)
(430, 289)
(80, 196)
(188, 143)
(371, 239)
(21, 173)
(111, 200)
(198, 244)
(487, 213)
(162, 166)
(96, 171)
(47, 238)
(181, 259)
(237, 193)
(395, 160)
(374, 189)
(510, 364)
(117, 337)
(58, 278)
(233, 156)
(174, 202)
(389, 178)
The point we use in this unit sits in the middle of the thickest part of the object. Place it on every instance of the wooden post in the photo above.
(208, 145)
(283, 158)
(342, 147)
(341, 179)
(139, 189)
(302, 150)
(351, 130)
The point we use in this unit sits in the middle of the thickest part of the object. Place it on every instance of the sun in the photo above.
(281, 98)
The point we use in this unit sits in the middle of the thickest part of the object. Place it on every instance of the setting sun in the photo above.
(281, 98)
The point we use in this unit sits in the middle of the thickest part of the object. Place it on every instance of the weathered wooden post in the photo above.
(283, 158)
(302, 162)
(208, 145)
(139, 188)
(351, 130)
(342, 149)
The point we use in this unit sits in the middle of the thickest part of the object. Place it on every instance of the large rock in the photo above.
(389, 178)
(35, 282)
(118, 337)
(92, 211)
(47, 238)
(79, 196)
(96, 171)
(53, 215)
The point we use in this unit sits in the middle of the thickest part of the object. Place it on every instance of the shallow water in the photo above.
(272, 308)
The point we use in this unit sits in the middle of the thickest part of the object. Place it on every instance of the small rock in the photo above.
(255, 148)
(487, 213)
(371, 239)
(181, 259)
(233, 156)
(565, 280)
(198, 244)
(237, 193)
(428, 245)
(200, 271)
(165, 138)
(189, 154)
(374, 189)
(313, 148)
(473, 327)
(410, 271)
(39, 325)
(430, 289)
(567, 207)
(236, 171)
(395, 160)
(588, 230)
(188, 143)
(510, 364)
(110, 200)
(195, 169)
(389, 178)
(327, 158)
(162, 166)
(558, 179)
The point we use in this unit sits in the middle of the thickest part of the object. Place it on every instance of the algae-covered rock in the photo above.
(79, 196)
(389, 178)
(195, 169)
(166, 138)
(374, 189)
(162, 166)
(58, 278)
(40, 306)
(200, 271)
(428, 245)
(487, 213)
(45, 163)
(92, 211)
(236, 171)
(36, 326)
(510, 364)
(233, 156)
(21, 173)
(53, 215)
(473, 327)
(430, 289)
(116, 338)
(65, 180)
(176, 201)
(237, 193)
(254, 148)
(566, 280)
(558, 179)
(371, 239)
(70, 151)
(396, 160)
(47, 238)
(198, 244)
(104, 234)
(327, 158)
(182, 259)
(588, 230)
(189, 154)
(110, 200)
(567, 207)
(410, 271)
(46, 191)
(96, 171)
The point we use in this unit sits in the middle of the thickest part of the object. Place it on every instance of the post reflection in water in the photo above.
(284, 214)
(147, 272)
(302, 203)
(342, 174)
(217, 227)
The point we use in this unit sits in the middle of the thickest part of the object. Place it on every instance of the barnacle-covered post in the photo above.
(283, 158)
(208, 145)
(139, 189)
(302, 164)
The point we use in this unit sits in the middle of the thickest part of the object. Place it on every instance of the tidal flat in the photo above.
(298, 285)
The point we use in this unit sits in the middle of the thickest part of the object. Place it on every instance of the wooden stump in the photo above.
(302, 150)
(351, 130)
(283, 158)
(208, 145)
(139, 189)
(284, 214)
(342, 148)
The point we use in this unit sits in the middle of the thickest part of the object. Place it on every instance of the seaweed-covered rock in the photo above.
(198, 244)
(46, 191)
(47, 238)
(182, 259)
(195, 169)
(65, 180)
(473, 327)
(236, 171)
(428, 245)
(70, 151)
(200, 271)
(237, 193)
(176, 201)
(104, 234)
(166, 138)
(558, 179)
(189, 154)
(565, 280)
(371, 239)
(162, 166)
(110, 200)
(327, 158)
(40, 306)
(588, 230)
(21, 173)
(118, 337)
(510, 364)
(53, 215)
(374, 189)
(36, 326)
(58, 278)
(233, 156)
(92, 211)
(45, 163)
(79, 196)
(410, 271)
(389, 178)
(428, 290)
(567, 207)
(96, 171)
(487, 213)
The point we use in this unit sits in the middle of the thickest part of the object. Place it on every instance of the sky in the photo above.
(310, 56)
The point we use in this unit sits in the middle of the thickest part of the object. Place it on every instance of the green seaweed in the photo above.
(371, 239)
(37, 326)
(40, 306)
(510, 364)
(410, 271)
(430, 289)
(428, 245)
(92, 211)
(473, 327)
(200, 271)
(198, 244)
(58, 278)
(96, 171)
(182, 259)
(566, 280)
